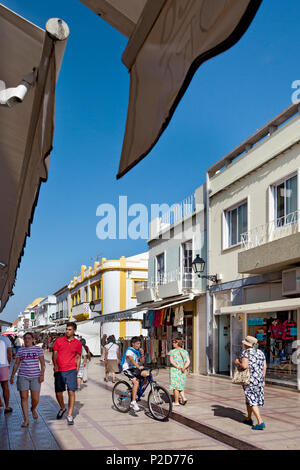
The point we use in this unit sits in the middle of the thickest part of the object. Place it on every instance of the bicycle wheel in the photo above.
(121, 396)
(159, 403)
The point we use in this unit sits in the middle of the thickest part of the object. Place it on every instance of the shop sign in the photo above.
(255, 321)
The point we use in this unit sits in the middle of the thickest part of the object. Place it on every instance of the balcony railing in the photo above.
(178, 211)
(278, 228)
(186, 279)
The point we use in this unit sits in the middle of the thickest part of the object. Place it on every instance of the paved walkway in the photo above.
(97, 425)
(218, 404)
(215, 408)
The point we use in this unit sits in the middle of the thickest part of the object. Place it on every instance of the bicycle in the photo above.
(159, 400)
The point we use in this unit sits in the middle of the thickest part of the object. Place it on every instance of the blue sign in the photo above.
(255, 321)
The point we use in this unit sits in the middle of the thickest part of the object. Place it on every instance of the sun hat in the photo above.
(249, 341)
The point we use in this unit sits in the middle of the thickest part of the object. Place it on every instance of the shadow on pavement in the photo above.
(226, 412)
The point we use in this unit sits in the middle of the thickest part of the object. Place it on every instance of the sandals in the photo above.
(61, 413)
(8, 410)
(183, 402)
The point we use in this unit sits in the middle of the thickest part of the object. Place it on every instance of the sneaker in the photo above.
(259, 427)
(61, 413)
(134, 406)
(70, 419)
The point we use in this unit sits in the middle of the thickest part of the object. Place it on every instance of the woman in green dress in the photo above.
(180, 361)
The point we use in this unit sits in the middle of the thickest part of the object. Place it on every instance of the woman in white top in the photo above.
(111, 358)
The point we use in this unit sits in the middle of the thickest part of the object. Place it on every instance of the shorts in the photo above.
(66, 378)
(80, 372)
(133, 373)
(4, 373)
(28, 383)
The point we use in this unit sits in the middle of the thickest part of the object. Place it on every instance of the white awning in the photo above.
(165, 50)
(262, 307)
(30, 60)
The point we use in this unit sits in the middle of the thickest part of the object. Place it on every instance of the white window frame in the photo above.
(156, 266)
(181, 267)
(273, 194)
(226, 237)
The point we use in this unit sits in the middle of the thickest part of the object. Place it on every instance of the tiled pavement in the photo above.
(214, 406)
(97, 424)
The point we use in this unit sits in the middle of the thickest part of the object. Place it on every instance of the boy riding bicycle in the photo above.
(133, 356)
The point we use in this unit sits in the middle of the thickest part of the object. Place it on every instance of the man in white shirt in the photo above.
(5, 360)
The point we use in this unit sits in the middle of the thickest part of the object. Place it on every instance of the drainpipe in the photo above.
(208, 299)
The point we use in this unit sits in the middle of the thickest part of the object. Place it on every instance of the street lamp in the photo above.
(198, 266)
(92, 307)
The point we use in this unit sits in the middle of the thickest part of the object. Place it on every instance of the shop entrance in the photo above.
(188, 337)
(276, 333)
(223, 356)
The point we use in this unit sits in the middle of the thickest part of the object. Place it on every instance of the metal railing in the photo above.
(178, 211)
(186, 279)
(274, 230)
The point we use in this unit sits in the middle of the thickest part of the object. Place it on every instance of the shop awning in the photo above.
(5, 323)
(30, 62)
(9, 333)
(262, 307)
(166, 303)
(169, 40)
(164, 52)
(130, 314)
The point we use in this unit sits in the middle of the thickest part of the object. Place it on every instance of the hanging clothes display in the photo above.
(179, 316)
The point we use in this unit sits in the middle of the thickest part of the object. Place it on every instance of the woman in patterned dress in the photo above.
(254, 359)
(179, 359)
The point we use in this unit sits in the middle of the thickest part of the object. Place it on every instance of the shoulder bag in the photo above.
(241, 376)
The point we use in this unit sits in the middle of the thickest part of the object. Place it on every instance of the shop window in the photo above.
(236, 224)
(276, 334)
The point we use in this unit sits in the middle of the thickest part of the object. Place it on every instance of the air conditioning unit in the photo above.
(291, 282)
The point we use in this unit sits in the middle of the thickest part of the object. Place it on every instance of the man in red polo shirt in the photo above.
(66, 362)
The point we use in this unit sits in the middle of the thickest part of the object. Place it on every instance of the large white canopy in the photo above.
(26, 130)
(168, 41)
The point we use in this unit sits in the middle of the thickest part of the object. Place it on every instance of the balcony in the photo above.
(270, 247)
(171, 284)
(81, 311)
(170, 217)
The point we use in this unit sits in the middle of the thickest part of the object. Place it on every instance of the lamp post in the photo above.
(199, 265)
(92, 307)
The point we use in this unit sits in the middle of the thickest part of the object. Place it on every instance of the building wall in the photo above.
(255, 188)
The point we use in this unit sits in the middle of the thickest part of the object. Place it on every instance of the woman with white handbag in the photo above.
(254, 360)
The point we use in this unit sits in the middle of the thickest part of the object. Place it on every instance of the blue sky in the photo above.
(229, 98)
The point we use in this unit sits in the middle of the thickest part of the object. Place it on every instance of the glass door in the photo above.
(188, 337)
(223, 355)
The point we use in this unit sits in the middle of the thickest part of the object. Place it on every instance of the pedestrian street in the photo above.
(97, 425)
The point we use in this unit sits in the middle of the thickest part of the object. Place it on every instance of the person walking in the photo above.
(180, 361)
(89, 357)
(83, 364)
(5, 360)
(103, 343)
(111, 358)
(19, 342)
(255, 360)
(30, 377)
(66, 362)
